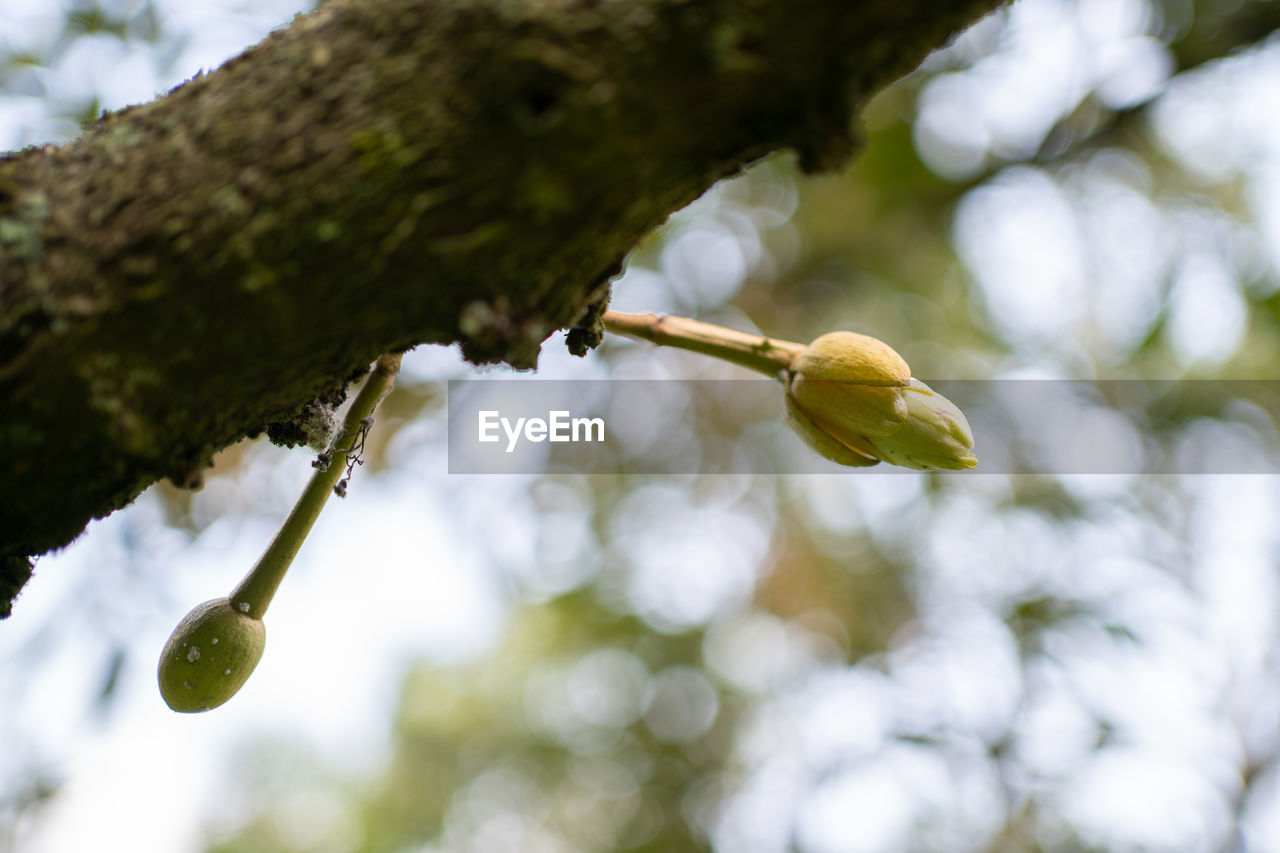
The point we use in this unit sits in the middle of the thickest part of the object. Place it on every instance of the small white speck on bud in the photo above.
(243, 607)
(193, 654)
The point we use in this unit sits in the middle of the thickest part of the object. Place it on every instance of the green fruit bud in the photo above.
(935, 435)
(210, 655)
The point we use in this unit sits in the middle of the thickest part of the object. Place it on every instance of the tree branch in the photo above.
(769, 356)
(381, 174)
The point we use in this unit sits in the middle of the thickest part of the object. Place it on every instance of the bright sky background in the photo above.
(1045, 248)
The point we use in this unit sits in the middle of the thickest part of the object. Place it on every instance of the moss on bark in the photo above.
(380, 174)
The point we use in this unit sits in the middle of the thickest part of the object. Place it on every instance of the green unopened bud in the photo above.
(935, 435)
(850, 386)
(210, 655)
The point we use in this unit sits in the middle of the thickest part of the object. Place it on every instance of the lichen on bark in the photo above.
(377, 175)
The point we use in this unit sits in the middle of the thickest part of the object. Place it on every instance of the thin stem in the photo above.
(766, 355)
(254, 593)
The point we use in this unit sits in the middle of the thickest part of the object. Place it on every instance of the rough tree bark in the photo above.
(380, 174)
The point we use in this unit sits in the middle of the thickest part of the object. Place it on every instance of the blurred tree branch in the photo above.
(380, 174)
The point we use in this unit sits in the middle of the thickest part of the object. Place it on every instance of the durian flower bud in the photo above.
(850, 385)
(935, 435)
(842, 388)
(852, 399)
(825, 444)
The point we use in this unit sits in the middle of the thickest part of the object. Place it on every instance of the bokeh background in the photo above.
(1076, 189)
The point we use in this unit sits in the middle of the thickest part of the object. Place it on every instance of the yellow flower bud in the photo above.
(824, 443)
(935, 435)
(209, 656)
(852, 399)
(850, 385)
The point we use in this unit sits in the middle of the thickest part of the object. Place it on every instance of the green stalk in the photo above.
(255, 592)
(755, 352)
